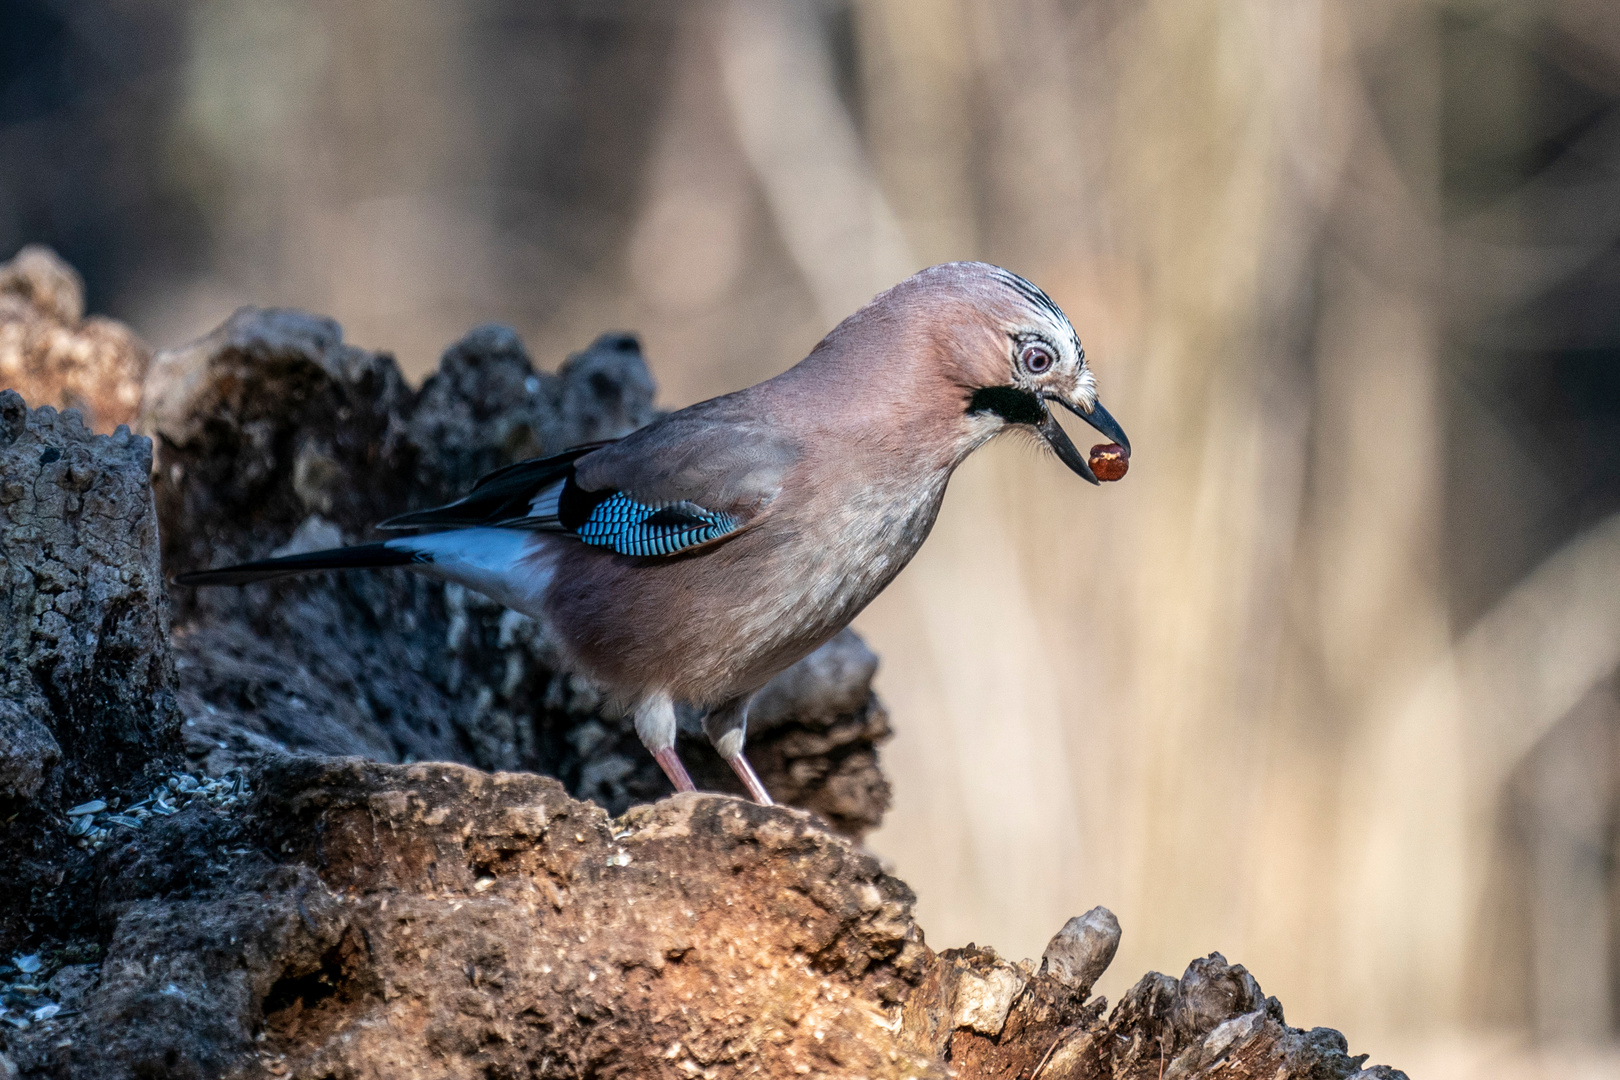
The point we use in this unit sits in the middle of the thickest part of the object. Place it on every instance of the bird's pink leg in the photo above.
(655, 725)
(745, 773)
(671, 764)
(727, 727)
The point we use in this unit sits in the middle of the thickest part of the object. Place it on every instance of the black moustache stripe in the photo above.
(1008, 402)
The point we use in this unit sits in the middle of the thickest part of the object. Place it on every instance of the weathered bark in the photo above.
(356, 919)
(86, 674)
(437, 920)
(87, 702)
(53, 355)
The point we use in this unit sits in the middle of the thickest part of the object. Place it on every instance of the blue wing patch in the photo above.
(633, 528)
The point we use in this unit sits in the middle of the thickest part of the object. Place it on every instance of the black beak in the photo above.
(1058, 440)
(1067, 452)
(1100, 419)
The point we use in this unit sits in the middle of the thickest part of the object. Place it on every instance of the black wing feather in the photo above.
(502, 496)
(544, 495)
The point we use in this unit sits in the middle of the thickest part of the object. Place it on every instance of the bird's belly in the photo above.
(709, 628)
(803, 590)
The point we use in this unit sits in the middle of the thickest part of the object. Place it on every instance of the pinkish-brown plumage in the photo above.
(763, 521)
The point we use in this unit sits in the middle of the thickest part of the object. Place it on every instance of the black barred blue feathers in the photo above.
(632, 528)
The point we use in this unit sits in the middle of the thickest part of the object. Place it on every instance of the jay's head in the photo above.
(1011, 354)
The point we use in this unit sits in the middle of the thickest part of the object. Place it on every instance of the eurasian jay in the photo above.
(697, 557)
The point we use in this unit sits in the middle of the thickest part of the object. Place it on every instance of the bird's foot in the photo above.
(745, 773)
(671, 764)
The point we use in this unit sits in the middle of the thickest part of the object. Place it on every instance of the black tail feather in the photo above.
(360, 557)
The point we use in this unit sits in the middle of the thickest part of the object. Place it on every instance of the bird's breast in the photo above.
(720, 622)
(829, 558)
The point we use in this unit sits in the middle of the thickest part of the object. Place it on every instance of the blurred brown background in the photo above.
(1327, 683)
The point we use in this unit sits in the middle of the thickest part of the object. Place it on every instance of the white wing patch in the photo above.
(544, 503)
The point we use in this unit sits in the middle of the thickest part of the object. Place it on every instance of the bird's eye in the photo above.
(1035, 357)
